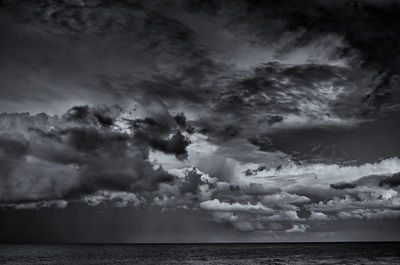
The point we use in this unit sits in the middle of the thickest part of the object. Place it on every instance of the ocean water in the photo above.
(243, 254)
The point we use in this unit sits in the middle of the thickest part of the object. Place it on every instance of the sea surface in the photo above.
(326, 253)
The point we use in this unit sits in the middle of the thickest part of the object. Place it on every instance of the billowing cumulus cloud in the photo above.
(118, 199)
(78, 154)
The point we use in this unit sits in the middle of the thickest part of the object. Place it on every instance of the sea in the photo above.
(243, 254)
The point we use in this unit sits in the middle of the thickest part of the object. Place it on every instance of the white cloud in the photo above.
(283, 216)
(298, 228)
(318, 216)
(114, 198)
(284, 197)
(349, 202)
(216, 205)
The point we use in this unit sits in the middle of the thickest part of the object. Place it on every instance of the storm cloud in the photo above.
(74, 155)
(267, 120)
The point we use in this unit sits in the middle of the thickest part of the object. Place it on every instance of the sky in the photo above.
(199, 121)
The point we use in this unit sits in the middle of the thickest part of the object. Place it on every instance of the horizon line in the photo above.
(200, 243)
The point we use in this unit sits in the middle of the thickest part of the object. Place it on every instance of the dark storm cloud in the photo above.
(167, 37)
(185, 86)
(351, 145)
(369, 181)
(343, 185)
(392, 181)
(77, 155)
(153, 132)
(123, 50)
(364, 33)
(12, 147)
(278, 100)
(180, 119)
(102, 115)
(175, 145)
(372, 36)
(191, 183)
(274, 85)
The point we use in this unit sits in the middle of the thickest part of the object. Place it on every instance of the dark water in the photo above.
(340, 253)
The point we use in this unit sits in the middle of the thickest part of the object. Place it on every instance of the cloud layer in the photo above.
(273, 117)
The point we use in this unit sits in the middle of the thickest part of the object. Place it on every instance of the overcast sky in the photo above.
(199, 121)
